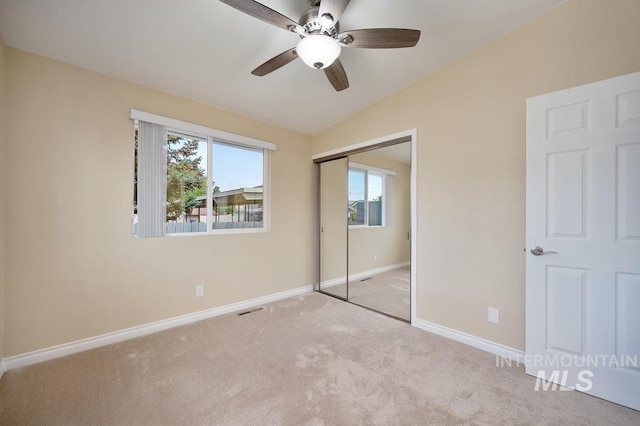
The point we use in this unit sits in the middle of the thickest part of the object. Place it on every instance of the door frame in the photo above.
(410, 135)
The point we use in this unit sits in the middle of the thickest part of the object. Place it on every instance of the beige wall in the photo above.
(388, 243)
(70, 275)
(73, 268)
(470, 117)
(3, 168)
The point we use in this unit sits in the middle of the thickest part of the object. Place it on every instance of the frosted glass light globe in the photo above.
(318, 51)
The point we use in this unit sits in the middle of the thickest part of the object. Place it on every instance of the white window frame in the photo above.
(212, 136)
(377, 170)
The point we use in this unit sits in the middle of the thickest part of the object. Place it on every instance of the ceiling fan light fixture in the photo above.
(318, 51)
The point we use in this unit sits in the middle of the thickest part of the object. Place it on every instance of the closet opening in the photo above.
(366, 226)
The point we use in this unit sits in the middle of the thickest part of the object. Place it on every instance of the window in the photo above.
(238, 187)
(191, 179)
(186, 190)
(365, 206)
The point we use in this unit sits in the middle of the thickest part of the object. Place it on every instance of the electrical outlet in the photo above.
(375, 257)
(494, 315)
(199, 290)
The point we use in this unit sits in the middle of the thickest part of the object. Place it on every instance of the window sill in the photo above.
(211, 233)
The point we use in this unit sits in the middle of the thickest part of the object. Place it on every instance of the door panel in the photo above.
(628, 192)
(628, 315)
(566, 175)
(583, 202)
(565, 327)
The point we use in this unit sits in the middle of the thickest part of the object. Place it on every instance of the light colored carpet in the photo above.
(388, 292)
(310, 360)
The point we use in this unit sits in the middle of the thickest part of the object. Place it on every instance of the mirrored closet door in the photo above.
(333, 228)
(379, 249)
(365, 228)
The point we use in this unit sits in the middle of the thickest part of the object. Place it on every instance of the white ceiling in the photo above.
(399, 152)
(205, 50)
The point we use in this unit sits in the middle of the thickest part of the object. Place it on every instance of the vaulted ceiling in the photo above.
(205, 50)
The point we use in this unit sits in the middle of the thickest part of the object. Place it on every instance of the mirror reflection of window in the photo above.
(365, 185)
(356, 206)
(374, 197)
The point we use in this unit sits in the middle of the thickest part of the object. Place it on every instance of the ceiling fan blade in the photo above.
(337, 76)
(264, 13)
(333, 8)
(276, 62)
(379, 38)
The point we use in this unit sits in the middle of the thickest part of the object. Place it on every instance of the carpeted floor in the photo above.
(310, 360)
(388, 292)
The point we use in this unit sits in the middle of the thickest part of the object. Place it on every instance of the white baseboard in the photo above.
(364, 274)
(471, 340)
(47, 354)
(53, 352)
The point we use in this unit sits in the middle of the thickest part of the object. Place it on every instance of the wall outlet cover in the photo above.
(494, 315)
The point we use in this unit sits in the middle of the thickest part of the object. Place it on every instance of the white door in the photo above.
(583, 202)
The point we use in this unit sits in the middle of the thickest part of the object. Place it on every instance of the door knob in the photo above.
(538, 251)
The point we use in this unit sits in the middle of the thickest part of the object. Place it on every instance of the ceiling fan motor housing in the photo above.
(312, 24)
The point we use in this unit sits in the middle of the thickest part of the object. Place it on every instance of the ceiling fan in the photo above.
(320, 38)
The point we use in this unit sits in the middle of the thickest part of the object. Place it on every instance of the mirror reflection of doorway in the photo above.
(366, 253)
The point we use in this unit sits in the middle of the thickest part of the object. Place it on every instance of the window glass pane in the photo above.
(186, 184)
(356, 206)
(237, 187)
(374, 197)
